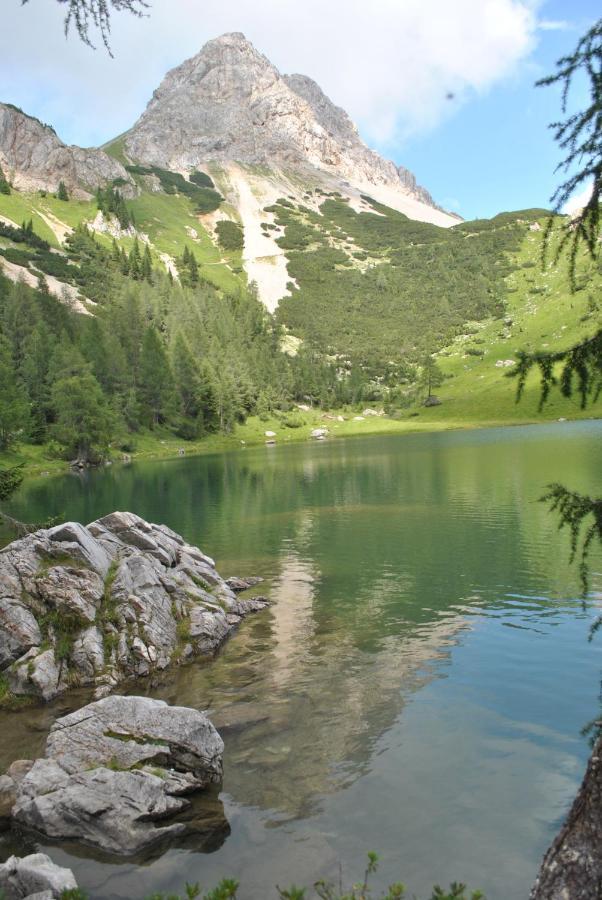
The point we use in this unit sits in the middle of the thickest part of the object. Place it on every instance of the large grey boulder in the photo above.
(132, 731)
(121, 597)
(34, 875)
(113, 772)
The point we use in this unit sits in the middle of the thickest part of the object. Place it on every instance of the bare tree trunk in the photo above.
(572, 867)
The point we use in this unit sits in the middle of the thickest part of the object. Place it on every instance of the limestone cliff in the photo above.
(229, 104)
(33, 158)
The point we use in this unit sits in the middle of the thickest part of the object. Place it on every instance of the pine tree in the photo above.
(155, 388)
(193, 270)
(124, 263)
(62, 193)
(84, 422)
(14, 409)
(147, 265)
(135, 262)
(580, 137)
(431, 375)
(188, 268)
(86, 14)
(4, 185)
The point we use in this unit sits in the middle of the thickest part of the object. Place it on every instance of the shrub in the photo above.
(201, 179)
(230, 235)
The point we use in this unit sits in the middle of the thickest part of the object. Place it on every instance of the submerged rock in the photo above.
(121, 597)
(34, 876)
(112, 771)
(242, 584)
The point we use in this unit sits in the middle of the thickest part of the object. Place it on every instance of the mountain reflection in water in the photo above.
(419, 683)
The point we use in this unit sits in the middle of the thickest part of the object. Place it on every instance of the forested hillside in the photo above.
(126, 317)
(378, 287)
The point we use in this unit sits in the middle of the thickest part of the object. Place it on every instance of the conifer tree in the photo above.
(193, 270)
(155, 388)
(62, 193)
(14, 410)
(4, 185)
(135, 262)
(124, 263)
(147, 265)
(86, 14)
(84, 422)
(580, 137)
(431, 375)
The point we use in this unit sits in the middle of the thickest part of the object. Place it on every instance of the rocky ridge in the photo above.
(230, 104)
(94, 605)
(34, 158)
(112, 772)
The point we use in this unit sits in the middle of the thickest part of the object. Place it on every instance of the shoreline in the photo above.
(164, 445)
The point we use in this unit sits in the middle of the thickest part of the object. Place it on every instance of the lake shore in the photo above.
(163, 444)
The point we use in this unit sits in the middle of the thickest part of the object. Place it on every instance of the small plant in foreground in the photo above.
(228, 887)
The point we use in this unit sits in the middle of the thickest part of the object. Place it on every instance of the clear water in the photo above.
(419, 684)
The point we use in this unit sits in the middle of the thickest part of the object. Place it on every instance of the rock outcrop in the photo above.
(33, 158)
(572, 867)
(94, 605)
(229, 104)
(112, 771)
(34, 876)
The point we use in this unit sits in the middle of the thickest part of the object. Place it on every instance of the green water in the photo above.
(419, 684)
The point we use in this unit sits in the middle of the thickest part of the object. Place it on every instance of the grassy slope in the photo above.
(164, 218)
(554, 319)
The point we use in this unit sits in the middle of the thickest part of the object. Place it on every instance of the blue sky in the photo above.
(389, 63)
(496, 151)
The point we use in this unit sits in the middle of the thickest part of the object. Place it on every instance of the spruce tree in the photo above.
(62, 193)
(193, 270)
(14, 409)
(155, 387)
(135, 262)
(580, 137)
(84, 422)
(4, 185)
(147, 265)
(124, 263)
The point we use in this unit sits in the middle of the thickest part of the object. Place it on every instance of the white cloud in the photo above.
(578, 201)
(390, 63)
(554, 25)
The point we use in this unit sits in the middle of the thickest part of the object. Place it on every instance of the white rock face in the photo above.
(33, 158)
(230, 104)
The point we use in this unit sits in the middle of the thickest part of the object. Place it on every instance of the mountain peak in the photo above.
(230, 104)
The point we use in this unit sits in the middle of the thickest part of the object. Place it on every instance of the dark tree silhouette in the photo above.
(580, 135)
(86, 14)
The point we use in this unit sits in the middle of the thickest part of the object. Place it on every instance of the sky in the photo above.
(442, 87)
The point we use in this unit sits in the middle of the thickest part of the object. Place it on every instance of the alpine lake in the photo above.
(418, 686)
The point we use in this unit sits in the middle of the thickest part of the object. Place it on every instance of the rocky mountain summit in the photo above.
(94, 605)
(229, 103)
(112, 772)
(33, 158)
